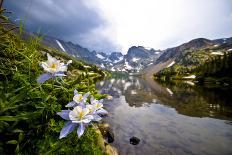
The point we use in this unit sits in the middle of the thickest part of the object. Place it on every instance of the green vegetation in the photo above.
(28, 120)
(207, 66)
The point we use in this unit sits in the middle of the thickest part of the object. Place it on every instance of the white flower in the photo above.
(52, 65)
(78, 99)
(77, 116)
(53, 68)
(96, 109)
(80, 115)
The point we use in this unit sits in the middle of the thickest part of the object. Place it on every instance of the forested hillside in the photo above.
(204, 64)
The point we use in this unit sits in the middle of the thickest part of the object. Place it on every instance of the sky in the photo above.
(116, 25)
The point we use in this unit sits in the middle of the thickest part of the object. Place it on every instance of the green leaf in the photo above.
(14, 142)
(12, 118)
(17, 130)
(21, 137)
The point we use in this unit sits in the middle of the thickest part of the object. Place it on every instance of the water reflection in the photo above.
(184, 97)
(168, 118)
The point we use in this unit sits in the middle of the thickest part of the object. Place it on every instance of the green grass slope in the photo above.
(28, 120)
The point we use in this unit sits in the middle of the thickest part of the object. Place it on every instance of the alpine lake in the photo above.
(177, 118)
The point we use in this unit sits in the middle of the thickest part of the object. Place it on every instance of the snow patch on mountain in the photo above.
(190, 77)
(112, 69)
(171, 64)
(102, 66)
(60, 45)
(135, 59)
(127, 66)
(169, 91)
(100, 56)
(119, 59)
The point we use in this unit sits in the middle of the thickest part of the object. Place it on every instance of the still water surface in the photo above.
(171, 119)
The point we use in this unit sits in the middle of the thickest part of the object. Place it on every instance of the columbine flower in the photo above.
(96, 109)
(78, 115)
(53, 68)
(78, 99)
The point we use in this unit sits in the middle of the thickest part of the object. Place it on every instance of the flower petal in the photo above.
(51, 59)
(86, 95)
(74, 114)
(63, 68)
(69, 62)
(64, 114)
(44, 77)
(90, 107)
(96, 118)
(101, 100)
(82, 104)
(80, 130)
(71, 104)
(92, 100)
(44, 65)
(68, 128)
(59, 74)
(102, 111)
(85, 111)
(75, 92)
(88, 118)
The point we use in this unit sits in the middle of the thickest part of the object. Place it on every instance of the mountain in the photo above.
(191, 46)
(136, 59)
(192, 52)
(100, 59)
(196, 58)
(140, 59)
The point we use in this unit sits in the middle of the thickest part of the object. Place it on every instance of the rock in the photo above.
(107, 132)
(110, 136)
(134, 140)
(107, 148)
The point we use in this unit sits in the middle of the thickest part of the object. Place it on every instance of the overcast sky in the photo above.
(116, 25)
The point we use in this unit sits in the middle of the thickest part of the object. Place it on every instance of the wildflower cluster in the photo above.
(82, 113)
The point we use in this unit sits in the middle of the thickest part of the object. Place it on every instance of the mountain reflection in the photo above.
(186, 98)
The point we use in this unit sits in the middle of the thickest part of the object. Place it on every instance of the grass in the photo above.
(28, 120)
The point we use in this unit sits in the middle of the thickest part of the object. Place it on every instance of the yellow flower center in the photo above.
(81, 114)
(54, 66)
(98, 105)
(80, 98)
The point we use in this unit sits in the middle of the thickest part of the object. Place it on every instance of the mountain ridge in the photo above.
(137, 59)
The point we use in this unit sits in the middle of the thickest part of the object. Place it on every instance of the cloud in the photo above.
(115, 25)
(167, 23)
(72, 20)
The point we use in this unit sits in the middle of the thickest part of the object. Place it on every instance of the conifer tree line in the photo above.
(219, 66)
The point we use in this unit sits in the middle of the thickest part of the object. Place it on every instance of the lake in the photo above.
(168, 118)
